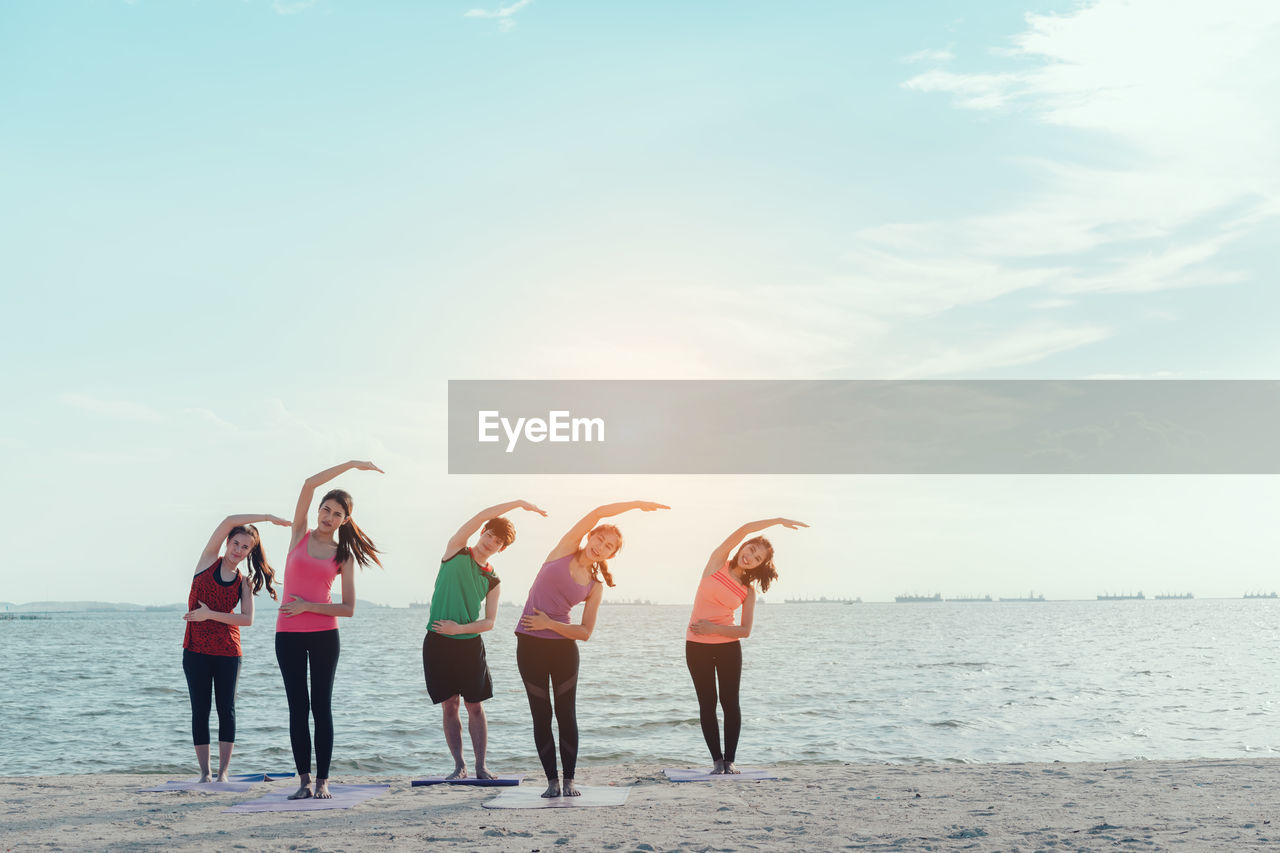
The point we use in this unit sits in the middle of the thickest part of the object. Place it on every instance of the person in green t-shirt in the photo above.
(453, 659)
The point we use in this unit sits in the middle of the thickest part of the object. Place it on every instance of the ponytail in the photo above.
(352, 541)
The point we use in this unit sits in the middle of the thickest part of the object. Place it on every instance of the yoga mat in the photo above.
(529, 797)
(690, 774)
(238, 782)
(344, 797)
(480, 783)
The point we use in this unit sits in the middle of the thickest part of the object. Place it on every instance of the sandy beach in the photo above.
(1138, 805)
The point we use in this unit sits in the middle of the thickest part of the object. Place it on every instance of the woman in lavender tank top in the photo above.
(546, 647)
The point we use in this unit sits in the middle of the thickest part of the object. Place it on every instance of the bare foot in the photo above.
(459, 772)
(222, 776)
(729, 769)
(570, 790)
(205, 777)
(483, 773)
(553, 789)
(302, 793)
(718, 770)
(322, 790)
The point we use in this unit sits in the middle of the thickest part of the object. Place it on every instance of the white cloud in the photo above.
(1182, 94)
(503, 14)
(930, 55)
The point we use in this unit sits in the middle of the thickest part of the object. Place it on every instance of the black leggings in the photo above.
(542, 660)
(707, 661)
(293, 648)
(207, 676)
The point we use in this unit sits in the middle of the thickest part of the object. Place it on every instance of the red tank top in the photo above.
(210, 637)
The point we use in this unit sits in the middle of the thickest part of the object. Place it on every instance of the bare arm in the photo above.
(459, 540)
(721, 554)
(308, 492)
(539, 621)
(449, 627)
(571, 540)
(738, 632)
(203, 613)
(297, 604)
(219, 535)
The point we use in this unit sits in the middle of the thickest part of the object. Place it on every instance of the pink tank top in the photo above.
(310, 579)
(719, 595)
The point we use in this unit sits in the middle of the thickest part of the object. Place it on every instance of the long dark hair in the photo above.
(600, 568)
(260, 572)
(352, 541)
(763, 574)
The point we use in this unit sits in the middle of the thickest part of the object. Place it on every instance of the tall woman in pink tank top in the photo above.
(211, 643)
(307, 625)
(712, 649)
(546, 651)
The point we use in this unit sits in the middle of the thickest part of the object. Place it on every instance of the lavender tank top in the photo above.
(555, 593)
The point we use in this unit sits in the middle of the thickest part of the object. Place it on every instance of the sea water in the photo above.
(933, 682)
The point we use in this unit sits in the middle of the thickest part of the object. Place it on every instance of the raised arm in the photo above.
(211, 548)
(571, 540)
(308, 493)
(459, 540)
(721, 554)
(538, 621)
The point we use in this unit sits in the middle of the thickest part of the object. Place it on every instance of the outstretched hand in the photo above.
(531, 508)
(277, 520)
(791, 524)
(650, 506)
(366, 466)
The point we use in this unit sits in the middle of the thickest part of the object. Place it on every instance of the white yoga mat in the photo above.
(529, 797)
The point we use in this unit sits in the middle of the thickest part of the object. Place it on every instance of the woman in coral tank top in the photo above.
(712, 649)
(307, 626)
(211, 644)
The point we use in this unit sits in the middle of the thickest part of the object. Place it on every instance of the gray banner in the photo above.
(863, 427)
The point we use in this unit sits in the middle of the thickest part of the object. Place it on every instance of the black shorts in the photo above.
(455, 667)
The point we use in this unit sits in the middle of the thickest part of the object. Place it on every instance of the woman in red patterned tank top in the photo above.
(211, 646)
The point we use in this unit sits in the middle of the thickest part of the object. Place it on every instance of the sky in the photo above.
(243, 241)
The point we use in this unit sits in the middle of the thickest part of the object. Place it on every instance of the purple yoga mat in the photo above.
(344, 797)
(501, 781)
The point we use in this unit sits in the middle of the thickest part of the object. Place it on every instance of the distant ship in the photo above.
(913, 599)
(1031, 596)
(971, 598)
(1167, 596)
(1138, 597)
(626, 601)
(1261, 595)
(822, 600)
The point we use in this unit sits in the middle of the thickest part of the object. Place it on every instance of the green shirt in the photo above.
(461, 587)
